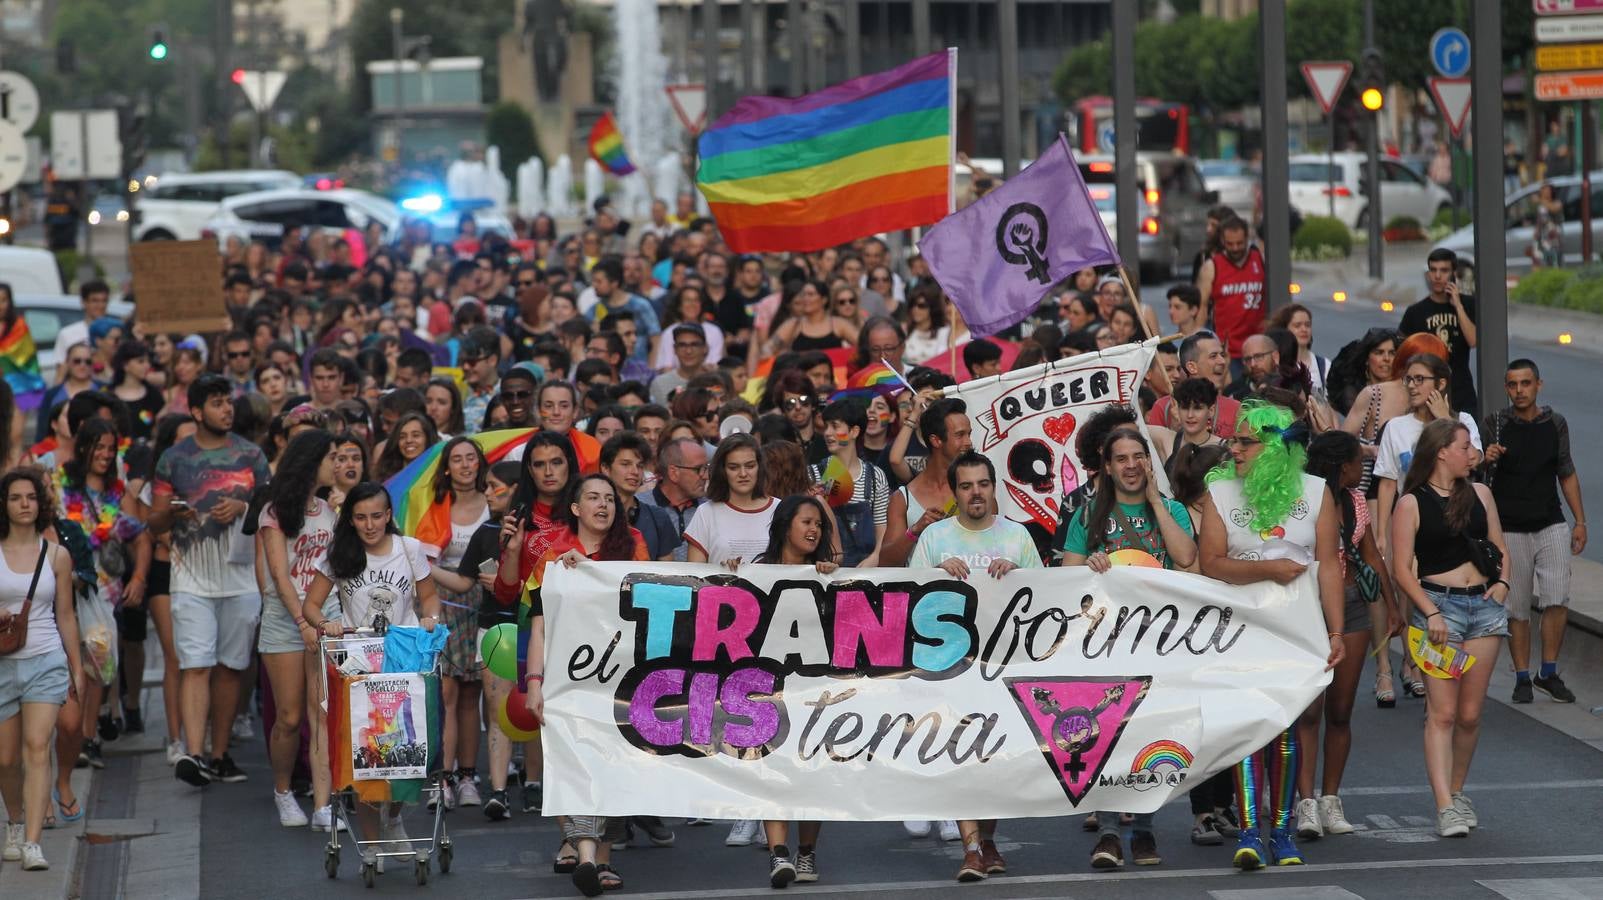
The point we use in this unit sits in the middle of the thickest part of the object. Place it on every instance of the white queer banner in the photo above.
(683, 690)
(1026, 422)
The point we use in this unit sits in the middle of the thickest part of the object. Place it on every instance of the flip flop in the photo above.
(62, 808)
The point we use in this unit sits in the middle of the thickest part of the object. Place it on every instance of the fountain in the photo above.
(669, 171)
(531, 187)
(643, 114)
(594, 186)
(559, 188)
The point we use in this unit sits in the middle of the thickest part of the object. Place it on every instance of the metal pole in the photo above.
(87, 265)
(1491, 291)
(1588, 152)
(709, 37)
(1276, 153)
(749, 41)
(921, 27)
(396, 15)
(1377, 265)
(1330, 169)
(1007, 38)
(1124, 173)
(798, 46)
(854, 39)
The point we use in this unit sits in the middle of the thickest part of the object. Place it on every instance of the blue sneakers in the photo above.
(1250, 852)
(1284, 848)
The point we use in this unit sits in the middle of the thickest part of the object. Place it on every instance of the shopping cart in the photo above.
(390, 749)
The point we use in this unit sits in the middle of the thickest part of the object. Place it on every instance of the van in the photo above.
(1173, 207)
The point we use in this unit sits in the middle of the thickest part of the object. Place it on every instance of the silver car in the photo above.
(1236, 180)
(1519, 220)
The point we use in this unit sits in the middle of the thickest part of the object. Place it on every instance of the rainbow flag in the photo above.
(873, 380)
(606, 146)
(19, 362)
(869, 155)
(341, 759)
(412, 489)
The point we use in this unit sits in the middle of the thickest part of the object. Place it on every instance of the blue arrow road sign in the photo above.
(1449, 52)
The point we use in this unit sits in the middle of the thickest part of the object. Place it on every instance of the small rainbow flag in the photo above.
(868, 155)
(412, 489)
(606, 146)
(19, 362)
(873, 380)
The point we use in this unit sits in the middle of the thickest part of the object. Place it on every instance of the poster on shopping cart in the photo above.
(1027, 422)
(389, 727)
(890, 694)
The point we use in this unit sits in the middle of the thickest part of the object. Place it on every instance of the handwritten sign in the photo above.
(178, 286)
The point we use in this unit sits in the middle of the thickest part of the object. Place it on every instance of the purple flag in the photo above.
(998, 257)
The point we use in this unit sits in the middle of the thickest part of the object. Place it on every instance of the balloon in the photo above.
(499, 647)
(1132, 557)
(515, 719)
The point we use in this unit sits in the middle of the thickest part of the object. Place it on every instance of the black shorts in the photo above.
(133, 623)
(160, 579)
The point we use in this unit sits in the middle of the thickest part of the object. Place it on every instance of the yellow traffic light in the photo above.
(1372, 98)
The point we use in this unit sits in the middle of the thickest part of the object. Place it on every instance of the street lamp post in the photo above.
(397, 15)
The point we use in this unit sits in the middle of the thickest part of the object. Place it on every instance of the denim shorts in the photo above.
(279, 633)
(32, 679)
(1467, 617)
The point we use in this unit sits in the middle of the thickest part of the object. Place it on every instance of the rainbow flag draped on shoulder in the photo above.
(868, 155)
(19, 363)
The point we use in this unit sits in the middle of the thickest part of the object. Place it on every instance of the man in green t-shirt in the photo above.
(1128, 513)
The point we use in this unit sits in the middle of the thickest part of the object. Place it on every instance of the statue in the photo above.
(547, 25)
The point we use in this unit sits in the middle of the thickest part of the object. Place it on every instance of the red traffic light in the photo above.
(237, 76)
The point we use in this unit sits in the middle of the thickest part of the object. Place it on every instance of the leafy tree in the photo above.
(510, 127)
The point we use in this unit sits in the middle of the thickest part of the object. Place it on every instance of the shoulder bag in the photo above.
(14, 630)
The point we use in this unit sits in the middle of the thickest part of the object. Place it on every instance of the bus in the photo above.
(1161, 126)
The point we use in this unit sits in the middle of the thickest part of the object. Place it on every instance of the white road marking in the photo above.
(1546, 888)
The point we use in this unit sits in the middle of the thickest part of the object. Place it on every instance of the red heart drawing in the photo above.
(1059, 428)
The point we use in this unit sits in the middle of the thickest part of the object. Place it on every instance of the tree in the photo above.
(458, 28)
(510, 127)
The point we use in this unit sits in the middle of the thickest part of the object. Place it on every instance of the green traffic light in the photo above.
(158, 50)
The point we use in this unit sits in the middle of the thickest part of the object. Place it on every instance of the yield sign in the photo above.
(689, 104)
(1452, 99)
(261, 88)
(1326, 79)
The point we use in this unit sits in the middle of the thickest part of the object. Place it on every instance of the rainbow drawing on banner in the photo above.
(606, 146)
(1160, 753)
(868, 155)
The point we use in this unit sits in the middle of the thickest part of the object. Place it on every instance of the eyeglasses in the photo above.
(1251, 358)
(797, 402)
(702, 469)
(845, 301)
(234, 354)
(1242, 442)
(473, 360)
(884, 349)
(688, 345)
(517, 395)
(708, 416)
(79, 361)
(1417, 380)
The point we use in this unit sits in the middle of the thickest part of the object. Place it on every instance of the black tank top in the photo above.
(806, 342)
(1437, 547)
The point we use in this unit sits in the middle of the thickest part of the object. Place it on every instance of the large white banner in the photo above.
(1026, 422)
(684, 690)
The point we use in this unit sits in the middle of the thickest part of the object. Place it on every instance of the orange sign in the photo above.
(1570, 86)
(1558, 57)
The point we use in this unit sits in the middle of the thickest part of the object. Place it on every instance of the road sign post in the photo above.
(1326, 79)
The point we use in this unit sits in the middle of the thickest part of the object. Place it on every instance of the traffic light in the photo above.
(158, 43)
(1372, 81)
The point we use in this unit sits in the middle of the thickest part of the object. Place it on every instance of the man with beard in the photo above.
(681, 485)
(1232, 286)
(201, 489)
(975, 539)
(945, 429)
(1260, 363)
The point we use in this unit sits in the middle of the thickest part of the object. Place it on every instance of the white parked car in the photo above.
(261, 216)
(177, 206)
(1403, 192)
(1519, 220)
(1236, 181)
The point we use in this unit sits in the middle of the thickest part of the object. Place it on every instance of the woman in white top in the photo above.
(928, 332)
(36, 679)
(1267, 522)
(372, 571)
(459, 486)
(294, 531)
(734, 524)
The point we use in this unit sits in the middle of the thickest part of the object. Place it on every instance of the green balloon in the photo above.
(499, 645)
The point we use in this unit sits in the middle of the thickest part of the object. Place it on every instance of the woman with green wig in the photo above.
(1267, 522)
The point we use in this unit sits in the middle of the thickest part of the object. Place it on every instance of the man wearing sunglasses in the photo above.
(238, 363)
(690, 351)
(480, 361)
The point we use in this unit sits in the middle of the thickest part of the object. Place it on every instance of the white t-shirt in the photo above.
(307, 550)
(724, 533)
(1005, 539)
(388, 585)
(1300, 527)
(460, 535)
(1397, 442)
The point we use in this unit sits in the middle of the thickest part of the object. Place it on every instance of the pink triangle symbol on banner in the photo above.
(1077, 720)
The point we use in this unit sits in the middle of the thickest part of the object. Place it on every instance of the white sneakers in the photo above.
(14, 840)
(917, 828)
(1308, 827)
(289, 811)
(744, 834)
(175, 752)
(1466, 810)
(1450, 822)
(949, 832)
(323, 819)
(467, 793)
(33, 859)
(243, 730)
(1332, 817)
